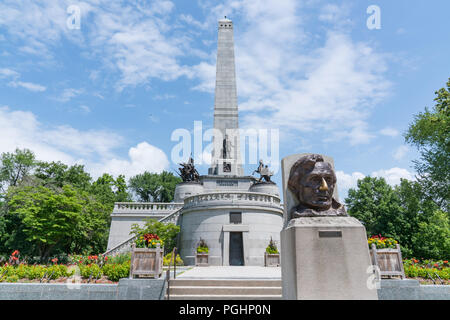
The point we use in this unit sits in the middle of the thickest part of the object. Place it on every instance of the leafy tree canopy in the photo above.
(154, 187)
(403, 213)
(430, 133)
(166, 232)
(14, 167)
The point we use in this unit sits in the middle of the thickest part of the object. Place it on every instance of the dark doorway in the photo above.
(236, 249)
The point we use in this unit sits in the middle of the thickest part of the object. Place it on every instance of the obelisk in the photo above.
(226, 158)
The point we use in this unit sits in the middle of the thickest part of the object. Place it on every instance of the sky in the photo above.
(106, 83)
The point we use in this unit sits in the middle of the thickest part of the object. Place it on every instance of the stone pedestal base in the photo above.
(325, 258)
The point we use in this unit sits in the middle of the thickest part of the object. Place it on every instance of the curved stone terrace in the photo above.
(234, 198)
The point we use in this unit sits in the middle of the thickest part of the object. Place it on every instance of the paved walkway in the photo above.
(225, 272)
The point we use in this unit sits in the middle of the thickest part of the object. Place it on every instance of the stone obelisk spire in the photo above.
(226, 158)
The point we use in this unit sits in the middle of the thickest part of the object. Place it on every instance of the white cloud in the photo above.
(131, 37)
(85, 109)
(143, 157)
(400, 153)
(133, 40)
(329, 86)
(390, 132)
(28, 85)
(347, 181)
(68, 94)
(336, 15)
(394, 175)
(93, 148)
(6, 73)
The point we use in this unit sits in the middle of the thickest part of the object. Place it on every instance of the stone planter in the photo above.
(389, 261)
(146, 262)
(271, 259)
(201, 259)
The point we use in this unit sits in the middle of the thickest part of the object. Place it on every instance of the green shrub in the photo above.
(168, 258)
(91, 269)
(202, 247)
(58, 271)
(11, 279)
(202, 250)
(272, 247)
(120, 258)
(35, 272)
(417, 271)
(115, 272)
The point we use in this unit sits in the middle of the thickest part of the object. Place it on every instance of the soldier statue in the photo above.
(188, 172)
(264, 172)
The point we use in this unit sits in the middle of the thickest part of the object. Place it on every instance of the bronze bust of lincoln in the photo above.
(312, 182)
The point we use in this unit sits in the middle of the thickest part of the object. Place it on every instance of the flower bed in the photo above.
(92, 269)
(423, 270)
(382, 242)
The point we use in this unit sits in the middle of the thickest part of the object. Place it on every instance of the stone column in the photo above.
(226, 119)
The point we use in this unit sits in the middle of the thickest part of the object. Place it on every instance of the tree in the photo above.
(110, 190)
(377, 206)
(48, 218)
(430, 133)
(154, 187)
(46, 221)
(403, 213)
(432, 239)
(58, 174)
(14, 167)
(166, 232)
(415, 209)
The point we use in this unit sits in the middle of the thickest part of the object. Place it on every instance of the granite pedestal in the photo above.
(325, 258)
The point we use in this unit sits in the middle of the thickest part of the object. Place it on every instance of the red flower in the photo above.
(15, 252)
(106, 258)
(55, 260)
(445, 261)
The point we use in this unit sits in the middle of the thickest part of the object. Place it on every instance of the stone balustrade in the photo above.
(126, 245)
(234, 198)
(146, 207)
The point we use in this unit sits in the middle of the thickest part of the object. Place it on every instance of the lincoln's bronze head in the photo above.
(312, 182)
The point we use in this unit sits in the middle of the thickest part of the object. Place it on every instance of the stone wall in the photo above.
(154, 289)
(126, 289)
(411, 290)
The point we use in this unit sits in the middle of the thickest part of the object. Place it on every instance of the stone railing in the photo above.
(146, 207)
(126, 245)
(235, 198)
(173, 217)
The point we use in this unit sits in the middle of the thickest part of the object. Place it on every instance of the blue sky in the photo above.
(110, 94)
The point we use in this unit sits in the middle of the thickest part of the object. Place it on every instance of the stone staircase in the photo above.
(215, 289)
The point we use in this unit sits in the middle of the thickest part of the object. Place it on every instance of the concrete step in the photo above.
(223, 282)
(223, 290)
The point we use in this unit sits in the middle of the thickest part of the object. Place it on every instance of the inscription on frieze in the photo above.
(227, 183)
